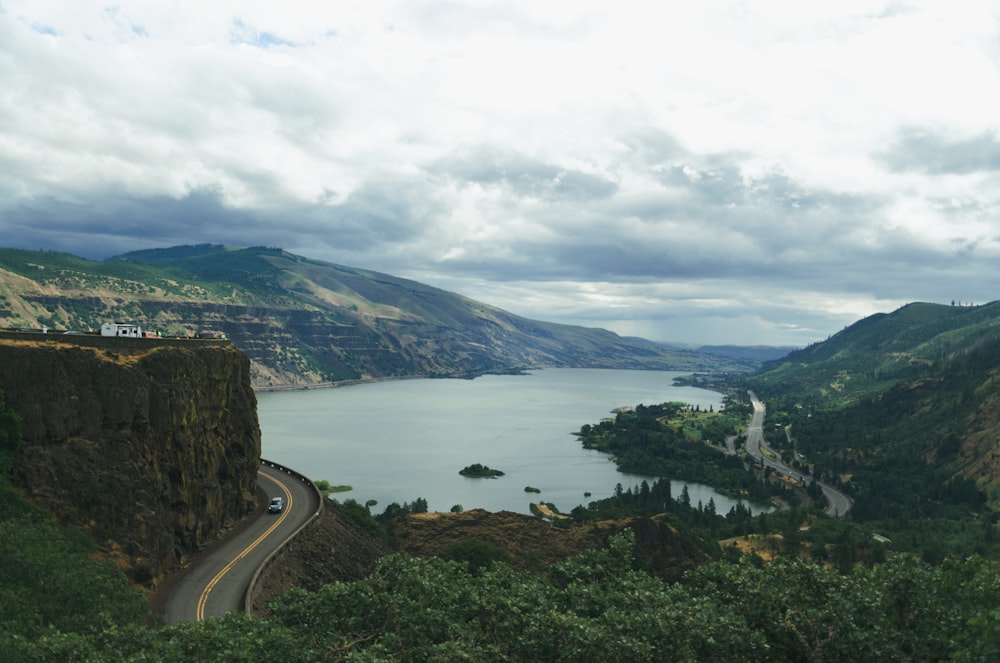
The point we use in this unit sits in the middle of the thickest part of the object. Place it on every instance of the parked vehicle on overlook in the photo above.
(124, 329)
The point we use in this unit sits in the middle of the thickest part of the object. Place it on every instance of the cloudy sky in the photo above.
(704, 172)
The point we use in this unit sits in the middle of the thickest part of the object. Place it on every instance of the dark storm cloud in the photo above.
(707, 220)
(714, 221)
(377, 213)
(102, 227)
(917, 150)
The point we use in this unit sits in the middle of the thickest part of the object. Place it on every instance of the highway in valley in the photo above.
(837, 503)
(218, 581)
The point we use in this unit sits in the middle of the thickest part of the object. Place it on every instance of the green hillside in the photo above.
(903, 411)
(883, 350)
(306, 322)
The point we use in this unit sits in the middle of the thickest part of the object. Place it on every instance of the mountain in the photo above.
(902, 407)
(305, 322)
(882, 350)
(755, 353)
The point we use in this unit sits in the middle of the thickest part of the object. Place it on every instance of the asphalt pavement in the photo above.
(838, 504)
(217, 582)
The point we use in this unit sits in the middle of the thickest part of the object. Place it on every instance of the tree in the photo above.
(685, 498)
(593, 607)
(476, 554)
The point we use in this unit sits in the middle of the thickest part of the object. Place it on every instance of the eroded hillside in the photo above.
(304, 322)
(905, 406)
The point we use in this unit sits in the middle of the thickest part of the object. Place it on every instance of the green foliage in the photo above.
(477, 555)
(361, 516)
(326, 487)
(881, 351)
(594, 607)
(479, 470)
(434, 609)
(48, 582)
(899, 610)
(898, 411)
(642, 443)
(234, 637)
(896, 455)
(395, 510)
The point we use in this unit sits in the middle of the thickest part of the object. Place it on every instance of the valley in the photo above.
(897, 417)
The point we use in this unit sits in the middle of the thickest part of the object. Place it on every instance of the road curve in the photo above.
(218, 582)
(837, 503)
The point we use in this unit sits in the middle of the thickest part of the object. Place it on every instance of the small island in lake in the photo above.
(480, 471)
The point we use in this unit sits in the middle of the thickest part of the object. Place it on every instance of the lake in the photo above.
(395, 441)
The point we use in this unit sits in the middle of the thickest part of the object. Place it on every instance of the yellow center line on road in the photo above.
(200, 612)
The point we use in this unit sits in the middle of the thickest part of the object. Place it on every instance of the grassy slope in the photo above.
(916, 386)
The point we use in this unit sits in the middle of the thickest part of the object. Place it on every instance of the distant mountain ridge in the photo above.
(761, 353)
(305, 322)
(883, 349)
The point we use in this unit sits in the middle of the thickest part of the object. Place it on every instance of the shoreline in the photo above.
(339, 383)
(348, 383)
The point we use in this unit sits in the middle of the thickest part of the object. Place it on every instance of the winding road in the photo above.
(837, 503)
(218, 583)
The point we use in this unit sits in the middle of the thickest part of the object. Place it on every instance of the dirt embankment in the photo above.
(529, 541)
(337, 549)
(334, 548)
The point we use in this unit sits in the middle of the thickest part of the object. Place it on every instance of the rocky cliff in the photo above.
(152, 449)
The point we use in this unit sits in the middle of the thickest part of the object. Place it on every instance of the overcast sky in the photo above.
(703, 172)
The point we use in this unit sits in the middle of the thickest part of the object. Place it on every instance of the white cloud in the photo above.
(671, 168)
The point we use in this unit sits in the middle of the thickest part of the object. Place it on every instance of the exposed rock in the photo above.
(151, 449)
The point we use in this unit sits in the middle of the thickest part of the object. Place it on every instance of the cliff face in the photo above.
(152, 449)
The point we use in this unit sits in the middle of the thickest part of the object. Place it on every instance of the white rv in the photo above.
(121, 329)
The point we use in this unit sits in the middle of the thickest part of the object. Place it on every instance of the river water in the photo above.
(399, 440)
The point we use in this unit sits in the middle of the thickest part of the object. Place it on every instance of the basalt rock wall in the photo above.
(151, 449)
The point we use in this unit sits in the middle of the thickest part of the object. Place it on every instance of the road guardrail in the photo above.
(270, 559)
